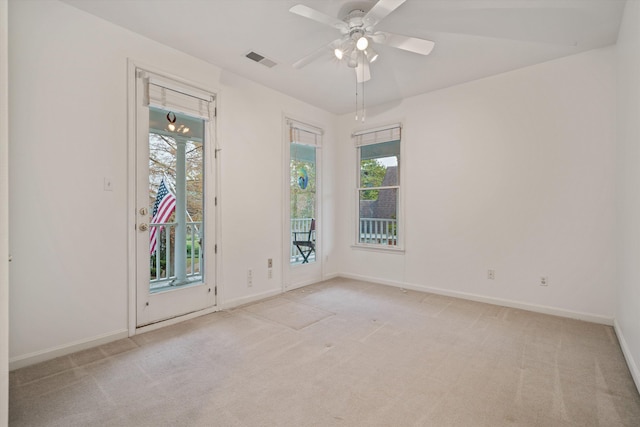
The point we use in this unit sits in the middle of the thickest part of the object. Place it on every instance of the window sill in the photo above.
(379, 248)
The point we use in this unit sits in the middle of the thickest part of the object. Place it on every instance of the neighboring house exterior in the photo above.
(385, 205)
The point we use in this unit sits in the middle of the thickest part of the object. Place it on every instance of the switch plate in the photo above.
(491, 274)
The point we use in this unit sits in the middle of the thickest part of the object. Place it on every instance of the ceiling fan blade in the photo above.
(363, 73)
(411, 44)
(308, 58)
(320, 17)
(379, 11)
(316, 54)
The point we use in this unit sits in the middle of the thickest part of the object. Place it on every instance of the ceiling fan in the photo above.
(358, 34)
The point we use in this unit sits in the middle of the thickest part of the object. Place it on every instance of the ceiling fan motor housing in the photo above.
(355, 20)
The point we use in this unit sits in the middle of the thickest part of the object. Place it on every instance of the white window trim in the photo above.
(357, 137)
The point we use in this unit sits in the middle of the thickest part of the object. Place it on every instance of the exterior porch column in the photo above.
(181, 211)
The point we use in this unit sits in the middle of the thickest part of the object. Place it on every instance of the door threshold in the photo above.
(174, 320)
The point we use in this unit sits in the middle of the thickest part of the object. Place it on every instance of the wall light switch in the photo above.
(108, 184)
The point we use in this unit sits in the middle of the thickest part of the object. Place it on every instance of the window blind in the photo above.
(304, 134)
(377, 136)
(188, 100)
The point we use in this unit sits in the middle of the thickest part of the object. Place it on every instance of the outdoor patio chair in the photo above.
(308, 246)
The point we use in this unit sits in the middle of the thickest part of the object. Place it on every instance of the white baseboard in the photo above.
(394, 283)
(51, 353)
(588, 317)
(631, 363)
(330, 276)
(236, 302)
(62, 350)
(299, 285)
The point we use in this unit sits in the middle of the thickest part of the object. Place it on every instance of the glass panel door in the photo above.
(302, 188)
(175, 240)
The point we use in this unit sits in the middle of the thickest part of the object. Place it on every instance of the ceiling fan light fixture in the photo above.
(372, 55)
(339, 53)
(362, 43)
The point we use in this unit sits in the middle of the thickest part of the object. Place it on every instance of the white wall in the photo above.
(514, 172)
(4, 217)
(251, 122)
(68, 101)
(628, 197)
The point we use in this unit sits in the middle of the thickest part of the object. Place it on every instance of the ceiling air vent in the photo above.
(260, 59)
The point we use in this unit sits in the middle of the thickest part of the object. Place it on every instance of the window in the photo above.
(174, 174)
(378, 185)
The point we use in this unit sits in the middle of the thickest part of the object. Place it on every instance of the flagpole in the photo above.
(172, 188)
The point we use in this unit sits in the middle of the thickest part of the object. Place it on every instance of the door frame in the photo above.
(132, 217)
(314, 272)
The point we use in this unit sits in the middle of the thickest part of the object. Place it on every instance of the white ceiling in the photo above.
(474, 39)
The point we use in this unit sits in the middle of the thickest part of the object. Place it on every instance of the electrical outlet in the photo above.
(491, 274)
(544, 281)
(270, 273)
(249, 277)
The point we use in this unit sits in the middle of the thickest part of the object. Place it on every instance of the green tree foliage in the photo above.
(372, 174)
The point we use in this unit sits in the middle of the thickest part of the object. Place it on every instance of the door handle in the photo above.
(143, 227)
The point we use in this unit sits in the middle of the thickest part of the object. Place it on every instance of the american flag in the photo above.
(162, 209)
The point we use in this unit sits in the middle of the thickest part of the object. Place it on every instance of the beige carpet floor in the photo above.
(341, 353)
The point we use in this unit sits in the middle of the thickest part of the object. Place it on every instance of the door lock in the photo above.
(143, 211)
(143, 227)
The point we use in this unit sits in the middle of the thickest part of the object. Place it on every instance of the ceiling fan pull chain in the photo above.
(356, 98)
(362, 72)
